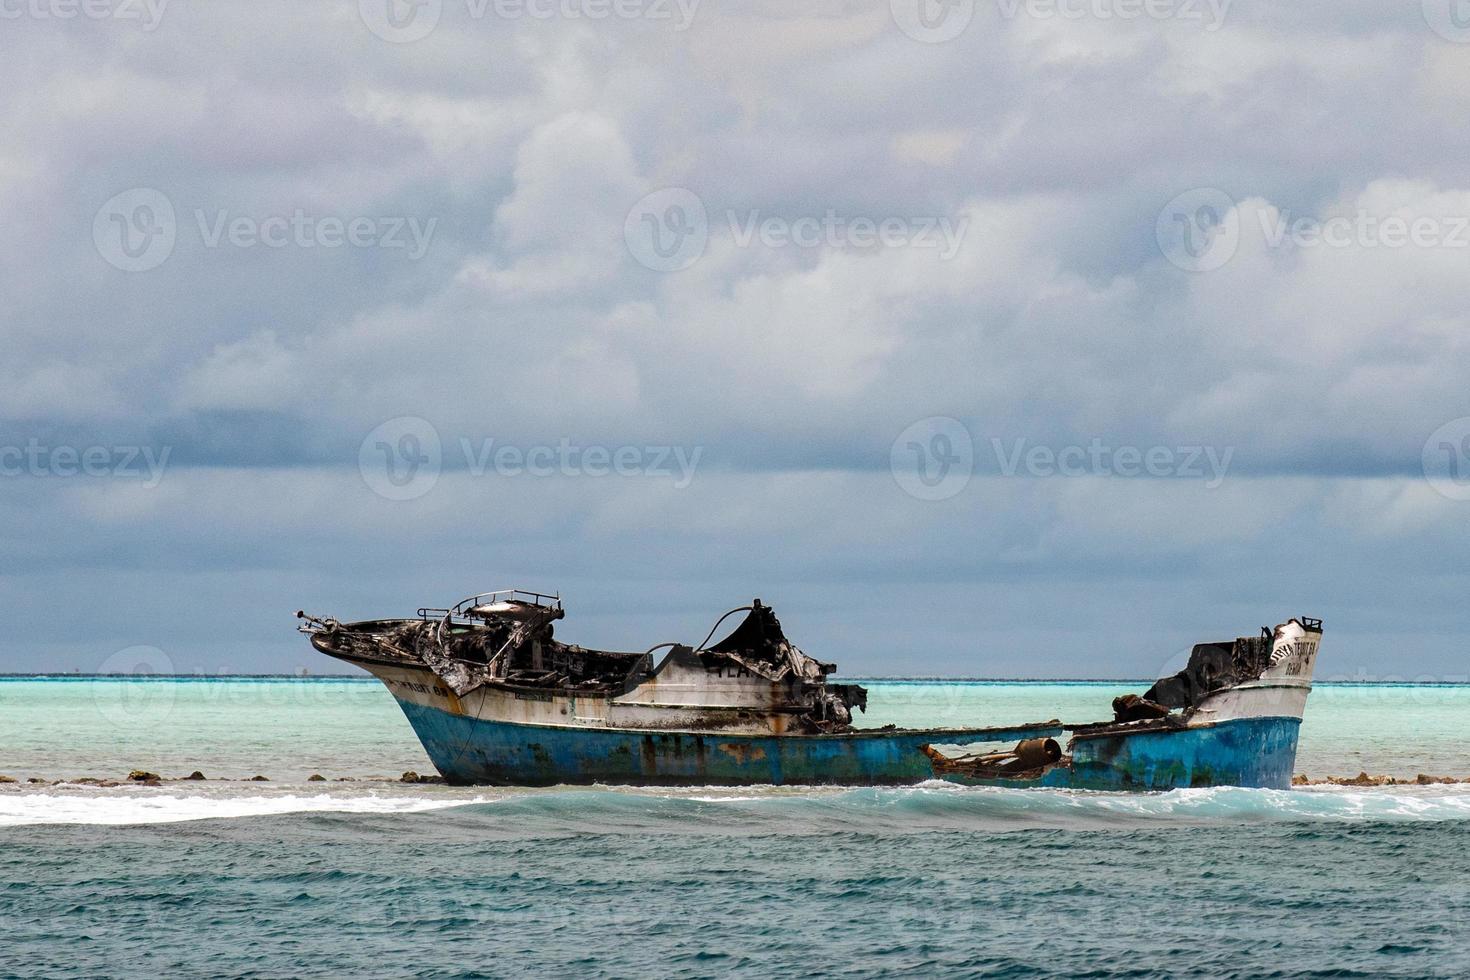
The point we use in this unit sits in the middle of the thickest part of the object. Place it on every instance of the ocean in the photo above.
(361, 874)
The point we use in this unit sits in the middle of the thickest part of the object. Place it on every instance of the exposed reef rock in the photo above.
(413, 777)
(1363, 779)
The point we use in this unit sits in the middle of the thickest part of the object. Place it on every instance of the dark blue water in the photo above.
(858, 883)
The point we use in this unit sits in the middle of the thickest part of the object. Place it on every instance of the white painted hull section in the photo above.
(735, 704)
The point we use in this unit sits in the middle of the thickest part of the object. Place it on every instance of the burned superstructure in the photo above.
(754, 678)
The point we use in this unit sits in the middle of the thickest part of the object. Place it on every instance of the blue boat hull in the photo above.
(1245, 752)
(1254, 752)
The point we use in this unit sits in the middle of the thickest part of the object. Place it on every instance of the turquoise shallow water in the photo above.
(372, 877)
(289, 728)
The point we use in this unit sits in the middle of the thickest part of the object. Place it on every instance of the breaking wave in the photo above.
(941, 806)
(750, 810)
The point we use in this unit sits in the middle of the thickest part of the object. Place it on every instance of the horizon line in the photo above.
(895, 679)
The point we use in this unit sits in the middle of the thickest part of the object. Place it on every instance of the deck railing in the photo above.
(459, 610)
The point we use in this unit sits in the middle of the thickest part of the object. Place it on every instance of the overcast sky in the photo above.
(992, 338)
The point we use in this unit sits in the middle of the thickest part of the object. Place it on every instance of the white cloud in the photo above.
(257, 373)
(574, 183)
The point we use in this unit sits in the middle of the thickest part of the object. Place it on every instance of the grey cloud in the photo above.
(527, 321)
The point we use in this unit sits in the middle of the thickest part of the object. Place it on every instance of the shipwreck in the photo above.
(496, 698)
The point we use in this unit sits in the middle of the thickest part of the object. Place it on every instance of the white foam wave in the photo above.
(22, 809)
(1291, 805)
(1222, 804)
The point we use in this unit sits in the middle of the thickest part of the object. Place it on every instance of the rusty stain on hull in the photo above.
(743, 753)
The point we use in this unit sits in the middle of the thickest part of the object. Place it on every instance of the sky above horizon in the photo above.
(1008, 338)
